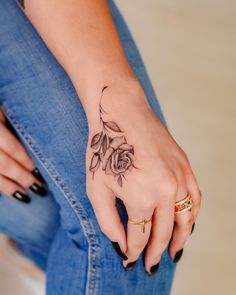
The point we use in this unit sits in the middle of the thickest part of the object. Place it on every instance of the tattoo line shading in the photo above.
(112, 152)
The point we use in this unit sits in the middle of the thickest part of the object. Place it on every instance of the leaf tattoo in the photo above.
(111, 151)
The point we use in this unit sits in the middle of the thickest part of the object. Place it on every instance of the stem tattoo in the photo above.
(112, 152)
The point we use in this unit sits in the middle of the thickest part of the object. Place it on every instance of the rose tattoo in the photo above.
(112, 152)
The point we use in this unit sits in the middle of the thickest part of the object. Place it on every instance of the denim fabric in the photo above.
(61, 231)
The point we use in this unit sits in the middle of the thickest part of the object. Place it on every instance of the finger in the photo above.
(11, 189)
(182, 230)
(162, 227)
(183, 222)
(16, 172)
(194, 191)
(104, 205)
(137, 234)
(10, 145)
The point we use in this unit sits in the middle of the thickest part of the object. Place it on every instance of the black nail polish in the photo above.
(193, 227)
(154, 269)
(39, 190)
(130, 265)
(118, 250)
(178, 255)
(38, 175)
(21, 197)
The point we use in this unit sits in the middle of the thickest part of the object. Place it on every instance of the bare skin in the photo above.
(83, 37)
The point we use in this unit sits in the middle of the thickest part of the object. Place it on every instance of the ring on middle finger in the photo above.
(142, 223)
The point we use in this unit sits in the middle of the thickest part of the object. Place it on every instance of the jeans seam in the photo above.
(92, 285)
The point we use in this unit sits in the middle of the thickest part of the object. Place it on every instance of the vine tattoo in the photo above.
(111, 150)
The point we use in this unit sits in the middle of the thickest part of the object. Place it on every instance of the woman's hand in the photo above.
(17, 171)
(160, 174)
(131, 155)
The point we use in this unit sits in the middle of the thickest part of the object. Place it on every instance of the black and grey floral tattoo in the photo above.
(112, 152)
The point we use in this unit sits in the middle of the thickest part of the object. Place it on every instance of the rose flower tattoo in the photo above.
(112, 152)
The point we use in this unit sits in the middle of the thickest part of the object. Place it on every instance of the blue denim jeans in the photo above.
(60, 233)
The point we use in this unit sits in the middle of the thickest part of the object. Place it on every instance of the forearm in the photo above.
(82, 36)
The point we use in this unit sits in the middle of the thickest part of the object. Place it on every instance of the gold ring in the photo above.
(142, 223)
(184, 204)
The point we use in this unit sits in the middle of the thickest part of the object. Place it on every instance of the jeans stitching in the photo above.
(89, 232)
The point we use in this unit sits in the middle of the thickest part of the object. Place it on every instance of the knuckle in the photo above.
(140, 207)
(171, 186)
(146, 206)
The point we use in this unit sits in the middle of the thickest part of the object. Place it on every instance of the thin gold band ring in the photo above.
(142, 223)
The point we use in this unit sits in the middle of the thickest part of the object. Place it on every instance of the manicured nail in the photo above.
(178, 255)
(130, 265)
(154, 269)
(38, 175)
(21, 197)
(39, 190)
(118, 250)
(193, 227)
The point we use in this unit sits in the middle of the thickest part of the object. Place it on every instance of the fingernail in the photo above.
(130, 265)
(37, 189)
(38, 175)
(118, 250)
(21, 197)
(193, 227)
(178, 255)
(154, 269)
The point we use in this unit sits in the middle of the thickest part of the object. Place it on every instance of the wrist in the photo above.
(123, 102)
(122, 90)
(96, 75)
